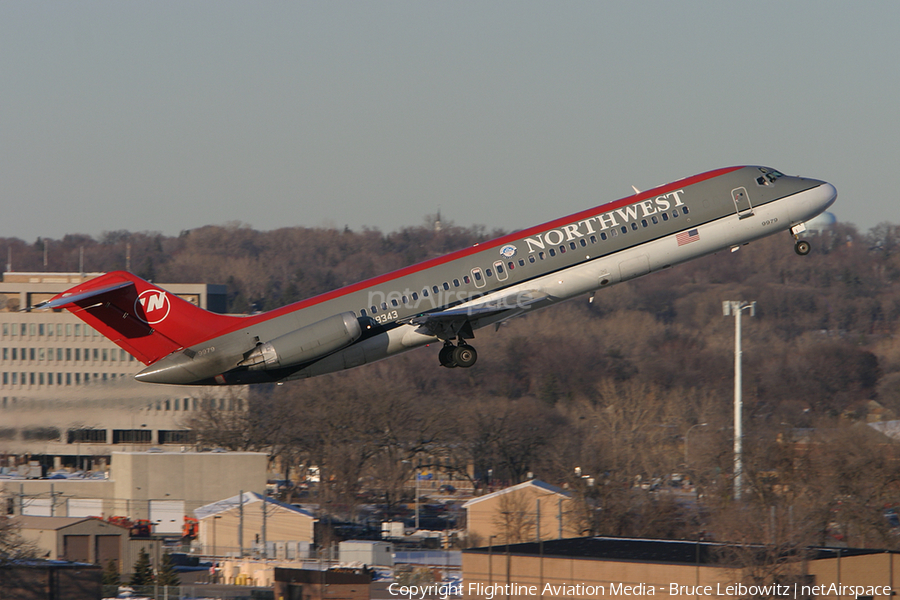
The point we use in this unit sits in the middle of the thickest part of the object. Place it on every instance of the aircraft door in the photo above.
(478, 277)
(501, 270)
(741, 202)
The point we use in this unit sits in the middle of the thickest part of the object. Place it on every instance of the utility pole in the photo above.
(735, 308)
(241, 525)
(264, 540)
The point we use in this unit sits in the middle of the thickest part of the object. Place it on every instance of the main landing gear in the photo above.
(462, 355)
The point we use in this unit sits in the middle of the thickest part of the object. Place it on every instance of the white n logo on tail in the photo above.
(154, 304)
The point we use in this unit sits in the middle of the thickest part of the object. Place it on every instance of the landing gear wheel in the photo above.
(464, 356)
(802, 247)
(446, 356)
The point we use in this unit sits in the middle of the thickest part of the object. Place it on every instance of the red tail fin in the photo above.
(146, 321)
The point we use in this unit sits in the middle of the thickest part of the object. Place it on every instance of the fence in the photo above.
(190, 592)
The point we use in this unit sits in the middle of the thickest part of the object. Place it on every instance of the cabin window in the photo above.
(405, 300)
(541, 255)
(665, 216)
(552, 252)
(521, 262)
(425, 293)
(675, 213)
(499, 267)
(583, 242)
(685, 210)
(456, 283)
(446, 286)
(394, 303)
(477, 275)
(466, 280)
(374, 310)
(624, 229)
(384, 306)
(634, 226)
(362, 312)
(511, 265)
(488, 272)
(614, 232)
(655, 220)
(415, 296)
(644, 222)
(435, 289)
(531, 259)
(562, 249)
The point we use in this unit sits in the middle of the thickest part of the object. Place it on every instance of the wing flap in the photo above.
(446, 324)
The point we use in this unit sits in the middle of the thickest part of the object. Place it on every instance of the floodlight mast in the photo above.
(735, 308)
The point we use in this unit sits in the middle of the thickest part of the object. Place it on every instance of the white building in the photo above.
(162, 487)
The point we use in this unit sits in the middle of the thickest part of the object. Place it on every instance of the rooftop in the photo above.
(649, 550)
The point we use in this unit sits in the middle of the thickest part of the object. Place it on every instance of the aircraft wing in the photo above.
(449, 323)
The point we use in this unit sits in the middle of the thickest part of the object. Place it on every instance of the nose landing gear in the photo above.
(462, 355)
(801, 247)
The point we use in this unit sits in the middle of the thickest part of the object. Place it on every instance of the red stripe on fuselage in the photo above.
(511, 237)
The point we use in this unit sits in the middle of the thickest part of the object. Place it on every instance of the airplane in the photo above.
(446, 299)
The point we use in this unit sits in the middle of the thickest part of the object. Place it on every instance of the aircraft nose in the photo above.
(813, 201)
(827, 194)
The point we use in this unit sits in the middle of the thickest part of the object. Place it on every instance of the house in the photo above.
(78, 539)
(236, 525)
(516, 514)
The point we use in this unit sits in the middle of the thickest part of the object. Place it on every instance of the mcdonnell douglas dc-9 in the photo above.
(446, 299)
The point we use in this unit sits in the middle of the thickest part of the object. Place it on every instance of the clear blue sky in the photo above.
(164, 116)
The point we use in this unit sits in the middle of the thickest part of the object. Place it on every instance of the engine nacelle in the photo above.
(305, 344)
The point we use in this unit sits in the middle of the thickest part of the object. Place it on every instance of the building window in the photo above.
(86, 435)
(185, 436)
(46, 434)
(132, 436)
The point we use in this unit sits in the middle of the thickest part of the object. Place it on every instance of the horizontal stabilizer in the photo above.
(79, 299)
(146, 321)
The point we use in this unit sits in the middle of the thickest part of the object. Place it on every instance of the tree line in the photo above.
(621, 400)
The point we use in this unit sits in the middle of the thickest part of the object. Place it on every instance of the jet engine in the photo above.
(304, 344)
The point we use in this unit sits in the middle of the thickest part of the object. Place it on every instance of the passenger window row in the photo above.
(500, 269)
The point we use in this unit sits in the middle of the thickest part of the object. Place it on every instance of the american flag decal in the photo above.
(686, 237)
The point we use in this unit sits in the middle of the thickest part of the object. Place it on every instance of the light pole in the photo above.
(417, 497)
(687, 438)
(416, 473)
(735, 308)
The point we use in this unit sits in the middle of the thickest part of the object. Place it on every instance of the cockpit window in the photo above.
(768, 177)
